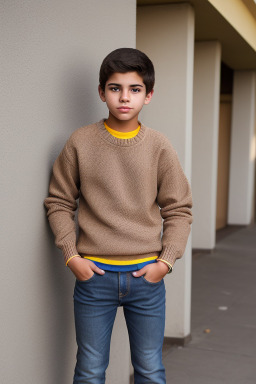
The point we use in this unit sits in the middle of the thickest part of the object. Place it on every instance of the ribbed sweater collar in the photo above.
(120, 142)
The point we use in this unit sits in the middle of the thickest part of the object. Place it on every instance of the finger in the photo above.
(140, 272)
(97, 269)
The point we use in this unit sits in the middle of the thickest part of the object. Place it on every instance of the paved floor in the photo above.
(223, 325)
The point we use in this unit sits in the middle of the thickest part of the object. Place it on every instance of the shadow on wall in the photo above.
(78, 102)
(78, 96)
(61, 347)
(79, 91)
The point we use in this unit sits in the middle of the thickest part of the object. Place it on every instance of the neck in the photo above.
(122, 126)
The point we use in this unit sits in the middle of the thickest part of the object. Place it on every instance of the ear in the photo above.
(101, 93)
(148, 97)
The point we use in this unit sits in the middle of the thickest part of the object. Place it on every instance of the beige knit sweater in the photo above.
(125, 188)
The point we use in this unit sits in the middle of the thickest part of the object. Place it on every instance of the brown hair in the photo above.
(124, 60)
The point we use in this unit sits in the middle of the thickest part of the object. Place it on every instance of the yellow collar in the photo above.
(122, 135)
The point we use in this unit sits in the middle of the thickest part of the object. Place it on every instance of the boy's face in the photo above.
(125, 95)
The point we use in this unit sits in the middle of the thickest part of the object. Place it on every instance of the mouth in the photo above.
(124, 109)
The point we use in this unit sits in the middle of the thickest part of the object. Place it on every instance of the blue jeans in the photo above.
(95, 304)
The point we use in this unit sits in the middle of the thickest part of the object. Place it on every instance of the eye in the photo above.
(136, 90)
(114, 89)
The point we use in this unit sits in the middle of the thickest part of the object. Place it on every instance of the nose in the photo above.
(124, 97)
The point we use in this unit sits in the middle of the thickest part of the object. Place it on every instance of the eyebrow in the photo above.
(119, 85)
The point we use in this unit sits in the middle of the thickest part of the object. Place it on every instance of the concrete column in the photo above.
(242, 161)
(205, 142)
(166, 34)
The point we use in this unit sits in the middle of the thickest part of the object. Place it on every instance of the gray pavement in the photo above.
(223, 324)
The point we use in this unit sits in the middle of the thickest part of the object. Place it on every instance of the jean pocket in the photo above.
(88, 280)
(151, 282)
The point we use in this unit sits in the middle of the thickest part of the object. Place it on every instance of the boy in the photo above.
(127, 178)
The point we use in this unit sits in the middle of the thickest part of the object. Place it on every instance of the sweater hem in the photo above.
(122, 257)
(170, 254)
(69, 250)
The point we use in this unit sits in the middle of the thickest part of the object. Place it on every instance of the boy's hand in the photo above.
(153, 272)
(83, 269)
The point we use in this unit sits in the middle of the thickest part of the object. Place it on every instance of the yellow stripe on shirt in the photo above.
(122, 135)
(119, 262)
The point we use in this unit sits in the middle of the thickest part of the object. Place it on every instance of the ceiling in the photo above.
(210, 25)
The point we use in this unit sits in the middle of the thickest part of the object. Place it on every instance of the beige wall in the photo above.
(166, 34)
(205, 142)
(242, 159)
(51, 53)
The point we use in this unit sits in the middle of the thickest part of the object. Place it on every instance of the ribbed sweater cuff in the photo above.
(69, 250)
(170, 254)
